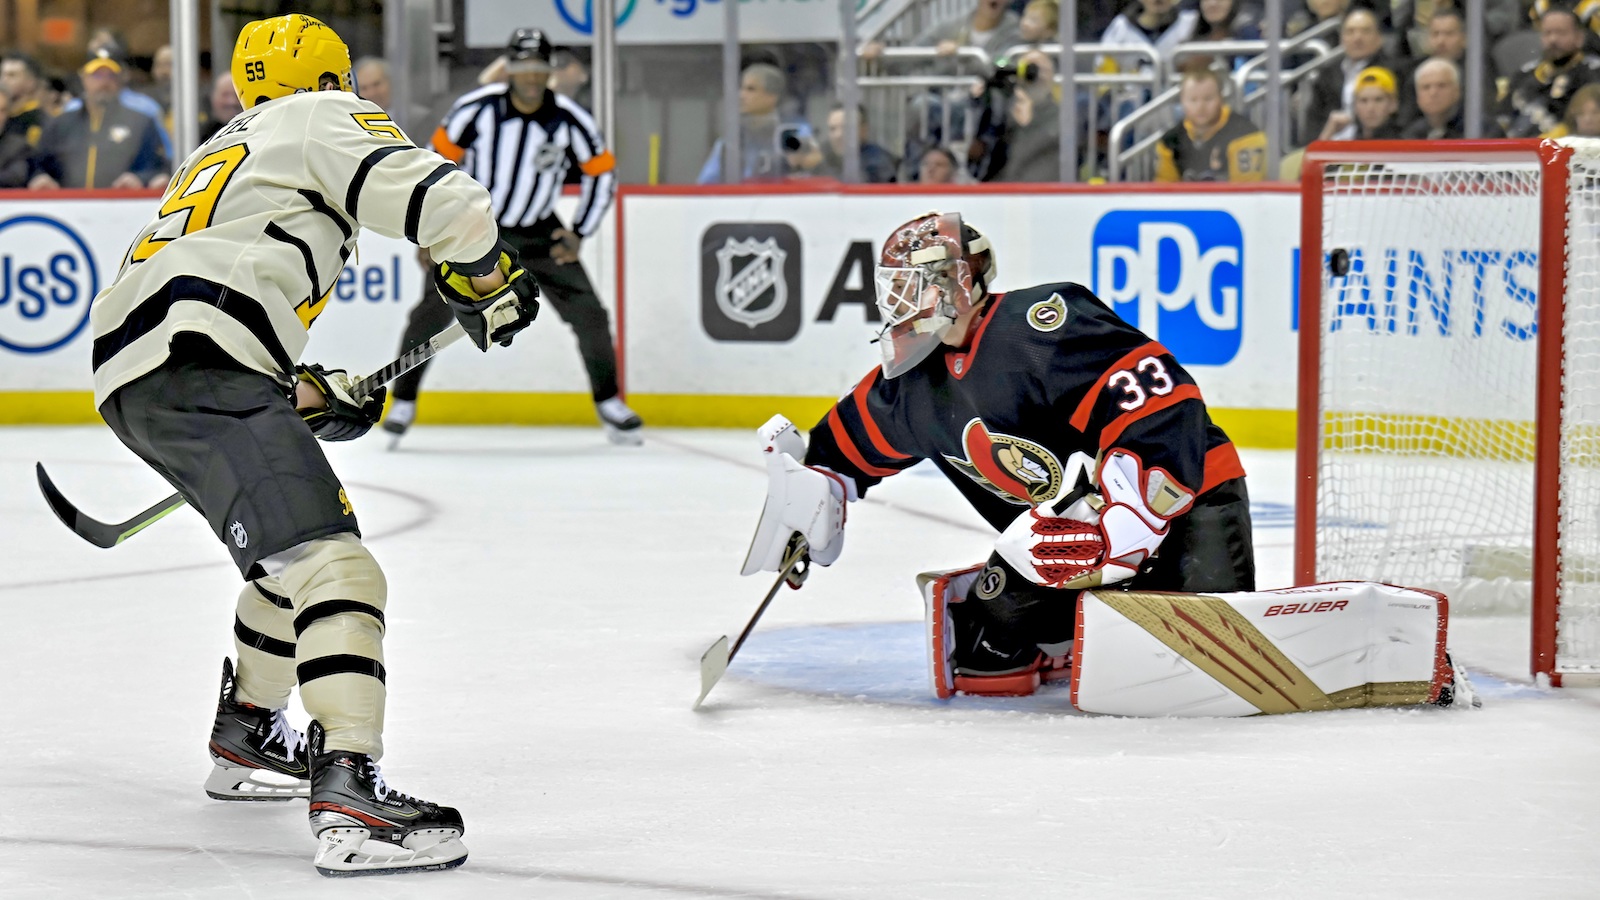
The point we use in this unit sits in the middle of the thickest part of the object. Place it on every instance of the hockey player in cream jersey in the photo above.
(195, 355)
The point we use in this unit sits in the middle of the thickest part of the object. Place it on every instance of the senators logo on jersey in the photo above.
(1017, 471)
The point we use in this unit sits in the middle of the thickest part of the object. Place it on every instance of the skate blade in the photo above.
(348, 852)
(239, 783)
(632, 437)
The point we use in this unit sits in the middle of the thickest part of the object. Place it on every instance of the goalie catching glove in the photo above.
(346, 417)
(800, 499)
(497, 316)
(1082, 540)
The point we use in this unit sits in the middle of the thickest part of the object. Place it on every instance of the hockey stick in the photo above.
(104, 534)
(714, 662)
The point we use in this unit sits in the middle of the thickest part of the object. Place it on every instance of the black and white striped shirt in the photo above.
(523, 159)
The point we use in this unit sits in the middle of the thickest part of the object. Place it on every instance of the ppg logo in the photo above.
(1178, 276)
(47, 281)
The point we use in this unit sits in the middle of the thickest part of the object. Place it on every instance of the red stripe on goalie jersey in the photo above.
(1147, 404)
(1127, 364)
(847, 445)
(874, 433)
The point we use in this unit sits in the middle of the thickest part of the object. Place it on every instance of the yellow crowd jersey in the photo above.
(1235, 150)
(257, 223)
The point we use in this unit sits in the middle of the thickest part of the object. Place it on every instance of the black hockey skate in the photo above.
(256, 755)
(1458, 692)
(623, 426)
(365, 828)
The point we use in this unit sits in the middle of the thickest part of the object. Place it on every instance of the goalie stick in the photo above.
(105, 534)
(795, 567)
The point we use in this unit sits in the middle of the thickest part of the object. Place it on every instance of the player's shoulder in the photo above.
(1061, 313)
(323, 108)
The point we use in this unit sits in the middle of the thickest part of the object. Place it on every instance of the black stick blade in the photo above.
(100, 534)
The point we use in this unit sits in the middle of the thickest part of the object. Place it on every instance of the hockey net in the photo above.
(1449, 425)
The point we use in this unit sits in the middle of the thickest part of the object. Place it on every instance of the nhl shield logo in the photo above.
(240, 538)
(750, 281)
(750, 288)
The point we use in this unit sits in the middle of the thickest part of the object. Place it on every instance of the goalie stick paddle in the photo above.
(105, 534)
(714, 662)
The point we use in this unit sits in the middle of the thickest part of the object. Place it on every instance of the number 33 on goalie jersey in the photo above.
(257, 223)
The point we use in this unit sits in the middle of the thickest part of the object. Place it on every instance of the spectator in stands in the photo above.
(24, 83)
(1211, 143)
(772, 146)
(1539, 94)
(1158, 24)
(225, 105)
(877, 164)
(373, 82)
(103, 45)
(939, 166)
(1023, 126)
(1439, 111)
(1375, 117)
(1413, 21)
(1227, 20)
(1333, 91)
(102, 143)
(991, 27)
(1583, 114)
(160, 87)
(1312, 13)
(1041, 22)
(569, 77)
(57, 94)
(1224, 20)
(14, 149)
(1447, 39)
(1587, 11)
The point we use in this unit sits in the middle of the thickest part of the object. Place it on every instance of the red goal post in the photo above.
(1449, 378)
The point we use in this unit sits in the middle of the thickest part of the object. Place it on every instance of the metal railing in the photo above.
(890, 99)
(1133, 138)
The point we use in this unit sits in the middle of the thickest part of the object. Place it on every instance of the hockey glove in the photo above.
(800, 498)
(1084, 540)
(345, 418)
(497, 316)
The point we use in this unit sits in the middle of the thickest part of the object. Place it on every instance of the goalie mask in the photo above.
(933, 269)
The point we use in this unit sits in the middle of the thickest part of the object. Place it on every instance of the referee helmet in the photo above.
(528, 51)
(287, 55)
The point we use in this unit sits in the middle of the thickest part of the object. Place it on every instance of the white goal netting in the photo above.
(1428, 385)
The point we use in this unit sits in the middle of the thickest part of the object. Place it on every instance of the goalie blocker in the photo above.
(1329, 646)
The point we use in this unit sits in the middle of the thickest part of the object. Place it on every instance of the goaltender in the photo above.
(195, 347)
(1124, 560)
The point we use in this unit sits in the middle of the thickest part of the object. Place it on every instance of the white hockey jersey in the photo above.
(257, 223)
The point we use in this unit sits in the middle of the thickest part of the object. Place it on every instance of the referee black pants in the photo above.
(564, 287)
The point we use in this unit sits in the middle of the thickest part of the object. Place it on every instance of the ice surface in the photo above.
(550, 596)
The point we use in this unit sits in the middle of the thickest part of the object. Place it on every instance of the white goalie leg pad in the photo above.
(939, 590)
(350, 851)
(1327, 646)
(800, 498)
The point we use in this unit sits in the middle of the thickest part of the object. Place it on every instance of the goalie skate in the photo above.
(255, 754)
(365, 828)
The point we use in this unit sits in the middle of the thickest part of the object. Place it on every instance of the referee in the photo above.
(518, 139)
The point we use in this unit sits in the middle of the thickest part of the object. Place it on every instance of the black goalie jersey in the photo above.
(1050, 371)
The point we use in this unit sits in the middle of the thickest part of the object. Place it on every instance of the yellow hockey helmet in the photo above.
(286, 55)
